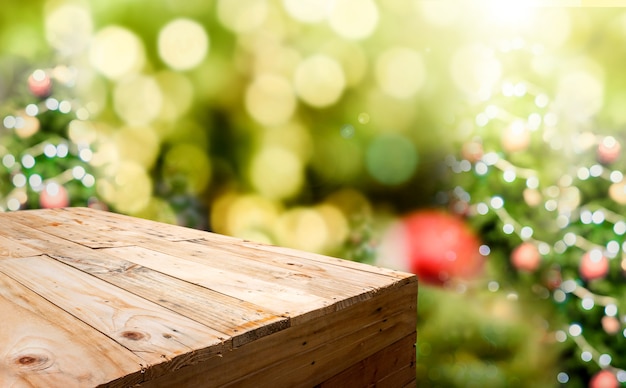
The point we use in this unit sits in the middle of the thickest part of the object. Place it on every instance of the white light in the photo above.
(65, 106)
(35, 181)
(560, 247)
(491, 158)
(484, 250)
(596, 170)
(543, 248)
(19, 180)
(560, 336)
(597, 217)
(497, 202)
(509, 176)
(62, 150)
(9, 122)
(88, 180)
(520, 89)
(583, 173)
(587, 303)
(621, 376)
(85, 155)
(492, 111)
(481, 168)
(541, 100)
(562, 377)
(526, 232)
(612, 247)
(508, 229)
(493, 286)
(551, 205)
(610, 310)
(50, 150)
(619, 227)
(534, 121)
(31, 110)
(13, 204)
(28, 161)
(465, 165)
(586, 217)
(575, 330)
(8, 161)
(604, 360)
(52, 103)
(616, 176)
(559, 296)
(586, 356)
(569, 286)
(482, 119)
(482, 208)
(78, 172)
(569, 238)
(532, 182)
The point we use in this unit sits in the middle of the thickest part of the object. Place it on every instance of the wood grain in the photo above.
(115, 301)
(40, 346)
(152, 332)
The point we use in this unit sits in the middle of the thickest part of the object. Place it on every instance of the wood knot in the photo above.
(33, 359)
(133, 335)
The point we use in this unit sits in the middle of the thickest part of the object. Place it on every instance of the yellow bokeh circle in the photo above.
(183, 44)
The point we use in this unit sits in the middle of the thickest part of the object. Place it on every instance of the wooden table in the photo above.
(91, 298)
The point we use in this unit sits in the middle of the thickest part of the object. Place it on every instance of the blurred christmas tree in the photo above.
(539, 173)
(45, 162)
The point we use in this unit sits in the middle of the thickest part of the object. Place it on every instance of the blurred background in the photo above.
(478, 146)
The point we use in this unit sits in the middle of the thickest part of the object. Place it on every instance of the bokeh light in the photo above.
(137, 100)
(276, 173)
(391, 159)
(319, 81)
(183, 44)
(353, 19)
(400, 72)
(69, 28)
(475, 70)
(116, 52)
(270, 99)
(308, 11)
(242, 16)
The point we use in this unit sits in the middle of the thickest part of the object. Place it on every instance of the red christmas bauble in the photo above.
(437, 246)
(40, 84)
(609, 150)
(526, 257)
(593, 265)
(604, 379)
(54, 196)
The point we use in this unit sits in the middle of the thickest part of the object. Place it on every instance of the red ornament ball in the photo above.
(610, 325)
(40, 84)
(526, 257)
(435, 245)
(604, 379)
(593, 265)
(54, 196)
(608, 150)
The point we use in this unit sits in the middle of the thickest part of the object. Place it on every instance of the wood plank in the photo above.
(313, 280)
(42, 346)
(241, 321)
(118, 223)
(286, 356)
(152, 332)
(276, 298)
(72, 229)
(252, 320)
(11, 249)
(392, 367)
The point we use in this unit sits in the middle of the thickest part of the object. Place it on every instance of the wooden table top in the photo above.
(90, 297)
